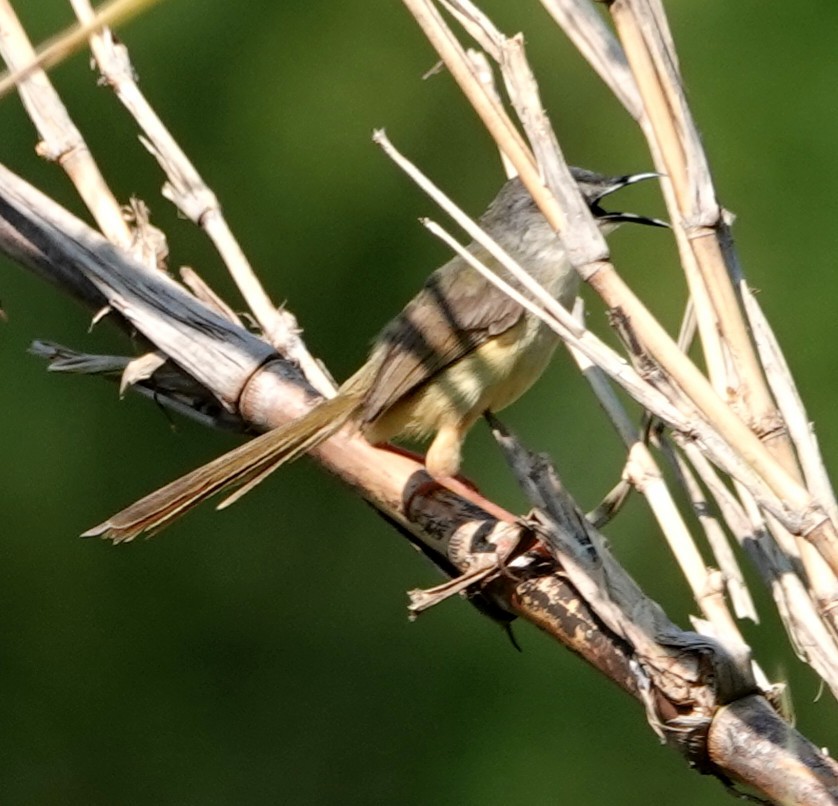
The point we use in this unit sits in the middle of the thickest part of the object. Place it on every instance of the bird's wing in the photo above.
(454, 313)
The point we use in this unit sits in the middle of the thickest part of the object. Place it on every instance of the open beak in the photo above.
(618, 184)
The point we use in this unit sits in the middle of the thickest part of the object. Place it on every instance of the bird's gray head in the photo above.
(514, 203)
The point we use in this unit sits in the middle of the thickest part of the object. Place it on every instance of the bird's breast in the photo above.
(512, 362)
(489, 378)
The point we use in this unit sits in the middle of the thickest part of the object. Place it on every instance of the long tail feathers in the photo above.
(243, 467)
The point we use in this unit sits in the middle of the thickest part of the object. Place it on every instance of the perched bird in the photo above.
(459, 348)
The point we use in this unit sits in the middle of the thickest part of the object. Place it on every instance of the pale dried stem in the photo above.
(485, 103)
(791, 406)
(644, 32)
(740, 598)
(644, 474)
(586, 29)
(62, 142)
(812, 639)
(476, 24)
(191, 195)
(485, 74)
(72, 39)
(584, 26)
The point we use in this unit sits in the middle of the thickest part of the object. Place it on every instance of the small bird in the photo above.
(459, 348)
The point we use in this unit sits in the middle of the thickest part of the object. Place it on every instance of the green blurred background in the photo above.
(262, 654)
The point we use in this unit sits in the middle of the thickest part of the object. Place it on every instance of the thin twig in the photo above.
(62, 142)
(73, 38)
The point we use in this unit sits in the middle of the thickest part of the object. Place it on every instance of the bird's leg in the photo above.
(442, 463)
(459, 485)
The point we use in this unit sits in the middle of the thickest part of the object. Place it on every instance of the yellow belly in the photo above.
(490, 378)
